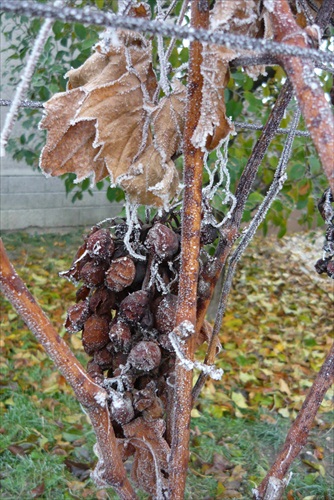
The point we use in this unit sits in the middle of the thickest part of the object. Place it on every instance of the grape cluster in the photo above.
(326, 263)
(125, 308)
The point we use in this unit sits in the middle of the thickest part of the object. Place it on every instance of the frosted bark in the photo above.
(24, 83)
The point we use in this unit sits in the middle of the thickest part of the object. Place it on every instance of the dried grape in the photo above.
(100, 245)
(145, 355)
(162, 241)
(121, 273)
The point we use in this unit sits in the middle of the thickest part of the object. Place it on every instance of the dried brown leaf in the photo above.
(234, 16)
(149, 180)
(168, 121)
(38, 491)
(100, 126)
(151, 455)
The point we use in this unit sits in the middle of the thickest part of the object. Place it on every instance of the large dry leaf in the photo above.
(99, 127)
(234, 16)
(168, 121)
(118, 112)
(150, 180)
(151, 455)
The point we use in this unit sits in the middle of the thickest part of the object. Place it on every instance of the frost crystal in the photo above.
(186, 329)
(269, 5)
(100, 398)
(23, 86)
(132, 223)
(255, 492)
(221, 171)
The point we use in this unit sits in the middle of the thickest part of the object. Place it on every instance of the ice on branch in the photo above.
(177, 337)
(24, 83)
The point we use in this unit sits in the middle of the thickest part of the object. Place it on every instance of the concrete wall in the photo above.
(29, 200)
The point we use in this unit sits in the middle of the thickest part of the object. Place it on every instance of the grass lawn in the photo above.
(276, 333)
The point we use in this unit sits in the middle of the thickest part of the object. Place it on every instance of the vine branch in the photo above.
(299, 431)
(274, 189)
(190, 248)
(88, 393)
(230, 230)
(316, 110)
(23, 86)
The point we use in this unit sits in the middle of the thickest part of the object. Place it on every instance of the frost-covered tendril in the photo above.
(210, 370)
(163, 82)
(23, 86)
(156, 279)
(220, 169)
(275, 188)
(132, 223)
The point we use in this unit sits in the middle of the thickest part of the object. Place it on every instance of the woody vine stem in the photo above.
(190, 247)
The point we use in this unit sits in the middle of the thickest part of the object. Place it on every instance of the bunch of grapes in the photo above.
(126, 308)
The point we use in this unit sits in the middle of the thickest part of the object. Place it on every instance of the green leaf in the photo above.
(255, 197)
(233, 109)
(296, 172)
(310, 342)
(111, 194)
(282, 231)
(85, 184)
(57, 28)
(80, 31)
(88, 44)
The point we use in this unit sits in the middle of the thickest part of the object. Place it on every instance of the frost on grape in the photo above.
(100, 397)
(106, 123)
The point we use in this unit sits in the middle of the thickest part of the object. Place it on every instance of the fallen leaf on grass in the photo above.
(228, 482)
(17, 450)
(284, 412)
(75, 487)
(219, 464)
(268, 418)
(195, 413)
(78, 469)
(38, 491)
(239, 399)
(283, 387)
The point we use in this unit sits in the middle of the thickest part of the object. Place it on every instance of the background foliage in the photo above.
(247, 100)
(273, 344)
